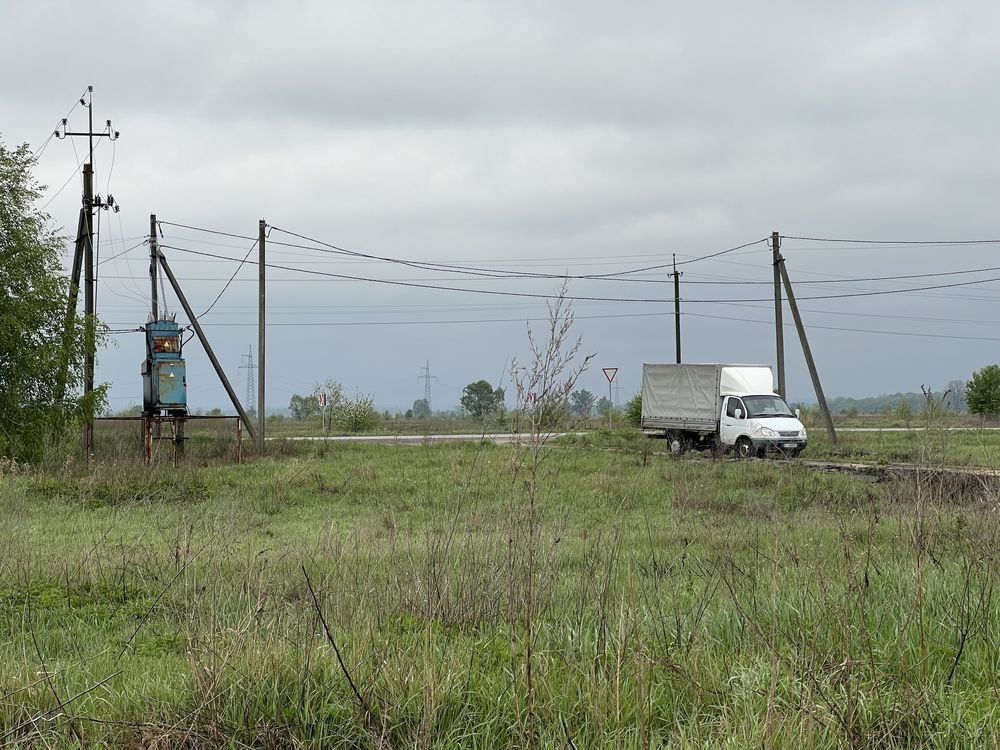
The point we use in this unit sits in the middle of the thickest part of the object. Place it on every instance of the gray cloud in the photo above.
(534, 135)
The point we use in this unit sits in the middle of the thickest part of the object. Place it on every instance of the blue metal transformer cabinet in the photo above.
(164, 381)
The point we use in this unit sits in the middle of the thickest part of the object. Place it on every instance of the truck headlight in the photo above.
(767, 432)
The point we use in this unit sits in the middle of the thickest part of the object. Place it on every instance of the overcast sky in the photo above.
(580, 137)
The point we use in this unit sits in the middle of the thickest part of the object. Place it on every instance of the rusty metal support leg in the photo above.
(173, 441)
(239, 441)
(179, 436)
(147, 440)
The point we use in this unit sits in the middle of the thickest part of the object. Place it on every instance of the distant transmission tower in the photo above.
(249, 365)
(618, 394)
(426, 376)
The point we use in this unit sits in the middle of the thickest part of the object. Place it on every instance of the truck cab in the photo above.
(755, 424)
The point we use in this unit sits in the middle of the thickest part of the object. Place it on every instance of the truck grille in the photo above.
(788, 433)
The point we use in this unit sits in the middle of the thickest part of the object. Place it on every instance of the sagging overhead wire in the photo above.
(223, 291)
(145, 241)
(413, 284)
(327, 247)
(161, 223)
(497, 273)
(664, 314)
(497, 292)
(611, 276)
(850, 330)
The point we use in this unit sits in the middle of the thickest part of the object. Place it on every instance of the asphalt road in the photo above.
(500, 438)
(504, 438)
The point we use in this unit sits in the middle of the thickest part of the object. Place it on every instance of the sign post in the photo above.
(322, 414)
(609, 373)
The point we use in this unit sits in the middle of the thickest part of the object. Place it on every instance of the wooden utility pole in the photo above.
(86, 247)
(261, 268)
(74, 294)
(677, 311)
(88, 298)
(154, 297)
(807, 352)
(779, 332)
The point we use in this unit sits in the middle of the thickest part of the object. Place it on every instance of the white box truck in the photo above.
(721, 407)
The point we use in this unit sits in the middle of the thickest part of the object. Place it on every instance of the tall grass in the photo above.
(668, 604)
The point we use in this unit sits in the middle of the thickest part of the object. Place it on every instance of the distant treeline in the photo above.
(951, 398)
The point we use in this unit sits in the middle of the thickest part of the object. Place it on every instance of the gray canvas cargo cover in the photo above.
(688, 395)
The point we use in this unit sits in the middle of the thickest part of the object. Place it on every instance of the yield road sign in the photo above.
(610, 372)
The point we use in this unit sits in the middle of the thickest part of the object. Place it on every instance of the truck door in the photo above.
(731, 426)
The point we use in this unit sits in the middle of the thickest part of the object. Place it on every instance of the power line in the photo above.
(161, 223)
(393, 309)
(852, 330)
(455, 268)
(917, 243)
(412, 284)
(219, 295)
(507, 273)
(65, 184)
(38, 151)
(612, 276)
(497, 292)
(320, 280)
(716, 255)
(410, 322)
(848, 313)
(849, 280)
(128, 263)
(118, 255)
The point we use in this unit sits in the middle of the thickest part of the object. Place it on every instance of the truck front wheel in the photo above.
(744, 448)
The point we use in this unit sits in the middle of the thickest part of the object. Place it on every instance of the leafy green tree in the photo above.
(551, 413)
(41, 358)
(357, 415)
(480, 399)
(421, 409)
(904, 412)
(982, 392)
(633, 411)
(604, 406)
(303, 407)
(334, 392)
(581, 402)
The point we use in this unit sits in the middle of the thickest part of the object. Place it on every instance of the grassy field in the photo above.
(483, 596)
(956, 447)
(933, 447)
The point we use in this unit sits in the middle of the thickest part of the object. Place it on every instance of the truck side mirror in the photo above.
(798, 414)
(739, 414)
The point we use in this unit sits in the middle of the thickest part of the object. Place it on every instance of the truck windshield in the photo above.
(766, 406)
